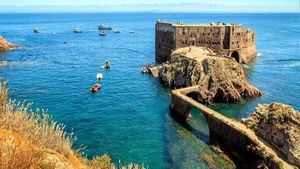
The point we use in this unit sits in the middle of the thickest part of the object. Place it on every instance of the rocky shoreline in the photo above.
(273, 130)
(279, 125)
(6, 46)
(220, 79)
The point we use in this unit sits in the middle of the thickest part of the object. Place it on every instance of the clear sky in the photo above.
(153, 5)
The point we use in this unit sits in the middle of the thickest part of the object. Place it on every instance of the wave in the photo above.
(295, 64)
(259, 54)
(17, 64)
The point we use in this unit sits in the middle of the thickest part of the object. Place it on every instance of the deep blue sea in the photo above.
(129, 118)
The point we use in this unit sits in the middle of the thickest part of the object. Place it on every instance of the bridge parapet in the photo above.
(233, 137)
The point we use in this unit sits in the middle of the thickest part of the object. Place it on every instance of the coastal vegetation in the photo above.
(32, 139)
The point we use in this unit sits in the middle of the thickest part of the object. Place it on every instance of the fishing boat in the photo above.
(107, 64)
(103, 27)
(102, 34)
(95, 88)
(77, 30)
(36, 30)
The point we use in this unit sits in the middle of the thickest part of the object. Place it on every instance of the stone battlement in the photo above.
(227, 40)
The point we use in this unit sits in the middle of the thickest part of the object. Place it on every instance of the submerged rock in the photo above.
(220, 79)
(5, 45)
(279, 125)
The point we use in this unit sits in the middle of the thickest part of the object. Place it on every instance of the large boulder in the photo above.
(5, 45)
(220, 79)
(279, 125)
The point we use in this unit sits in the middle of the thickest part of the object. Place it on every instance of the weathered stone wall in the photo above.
(233, 137)
(164, 42)
(247, 54)
(223, 39)
(211, 37)
(245, 151)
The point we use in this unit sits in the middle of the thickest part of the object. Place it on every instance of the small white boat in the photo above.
(102, 34)
(3, 63)
(77, 30)
(116, 31)
(99, 76)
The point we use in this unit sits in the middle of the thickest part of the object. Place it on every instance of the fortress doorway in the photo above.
(236, 56)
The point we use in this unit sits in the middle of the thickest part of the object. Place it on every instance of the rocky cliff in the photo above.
(220, 79)
(5, 46)
(279, 125)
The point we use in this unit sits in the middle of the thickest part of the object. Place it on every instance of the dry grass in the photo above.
(40, 131)
(36, 126)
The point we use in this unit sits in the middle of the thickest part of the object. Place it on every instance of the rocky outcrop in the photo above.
(5, 46)
(220, 79)
(279, 125)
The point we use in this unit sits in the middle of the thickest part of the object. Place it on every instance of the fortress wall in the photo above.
(199, 36)
(164, 41)
(247, 54)
(222, 39)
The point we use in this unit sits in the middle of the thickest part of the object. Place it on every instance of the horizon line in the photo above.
(149, 7)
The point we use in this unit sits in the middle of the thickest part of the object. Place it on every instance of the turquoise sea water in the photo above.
(129, 118)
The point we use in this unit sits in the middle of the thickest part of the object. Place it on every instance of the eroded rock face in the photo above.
(5, 46)
(279, 125)
(220, 79)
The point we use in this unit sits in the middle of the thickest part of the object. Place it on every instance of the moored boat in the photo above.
(116, 31)
(102, 34)
(107, 64)
(95, 88)
(103, 27)
(77, 30)
(99, 76)
(36, 30)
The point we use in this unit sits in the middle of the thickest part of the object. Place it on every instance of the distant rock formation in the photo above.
(279, 125)
(220, 79)
(5, 46)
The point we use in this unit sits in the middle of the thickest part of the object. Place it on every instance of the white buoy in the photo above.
(99, 76)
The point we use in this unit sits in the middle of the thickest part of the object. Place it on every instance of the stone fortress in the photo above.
(227, 40)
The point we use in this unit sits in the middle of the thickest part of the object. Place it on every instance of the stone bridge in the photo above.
(233, 137)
